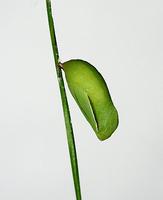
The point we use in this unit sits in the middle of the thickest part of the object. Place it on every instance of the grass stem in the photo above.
(67, 117)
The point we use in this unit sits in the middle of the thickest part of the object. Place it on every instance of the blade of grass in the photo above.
(67, 117)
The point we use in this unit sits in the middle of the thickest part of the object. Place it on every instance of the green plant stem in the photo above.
(69, 130)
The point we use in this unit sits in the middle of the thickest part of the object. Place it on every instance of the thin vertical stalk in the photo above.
(67, 118)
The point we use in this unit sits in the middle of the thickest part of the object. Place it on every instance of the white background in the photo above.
(123, 39)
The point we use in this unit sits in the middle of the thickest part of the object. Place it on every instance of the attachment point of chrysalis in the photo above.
(60, 65)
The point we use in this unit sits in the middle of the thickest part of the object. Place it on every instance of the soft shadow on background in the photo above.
(124, 40)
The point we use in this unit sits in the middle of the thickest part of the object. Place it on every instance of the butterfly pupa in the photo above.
(91, 93)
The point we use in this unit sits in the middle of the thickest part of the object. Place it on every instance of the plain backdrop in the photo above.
(123, 39)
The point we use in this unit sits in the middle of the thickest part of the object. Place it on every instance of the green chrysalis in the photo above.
(90, 91)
